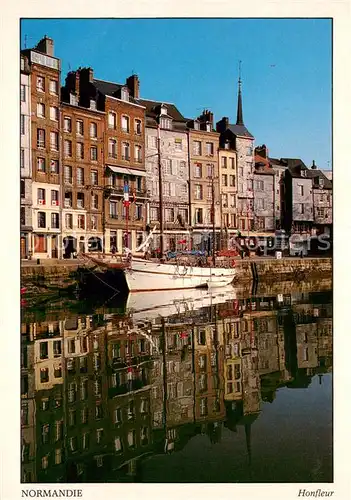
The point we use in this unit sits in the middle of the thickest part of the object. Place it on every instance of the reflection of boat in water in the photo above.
(141, 275)
(154, 304)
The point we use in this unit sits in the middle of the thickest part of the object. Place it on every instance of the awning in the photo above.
(126, 171)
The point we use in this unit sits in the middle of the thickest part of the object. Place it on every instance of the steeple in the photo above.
(239, 116)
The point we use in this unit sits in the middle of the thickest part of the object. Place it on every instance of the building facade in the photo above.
(26, 160)
(228, 188)
(45, 139)
(167, 148)
(205, 198)
(264, 193)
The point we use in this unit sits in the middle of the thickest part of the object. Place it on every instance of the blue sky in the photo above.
(286, 70)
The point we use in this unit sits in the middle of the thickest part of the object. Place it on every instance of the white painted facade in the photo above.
(25, 162)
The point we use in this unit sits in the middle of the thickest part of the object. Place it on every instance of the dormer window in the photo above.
(208, 127)
(124, 94)
(163, 110)
(226, 145)
(303, 173)
(166, 123)
(92, 104)
(73, 100)
(196, 125)
(321, 182)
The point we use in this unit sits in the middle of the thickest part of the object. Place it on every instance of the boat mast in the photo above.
(160, 188)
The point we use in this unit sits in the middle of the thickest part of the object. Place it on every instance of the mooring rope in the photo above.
(102, 281)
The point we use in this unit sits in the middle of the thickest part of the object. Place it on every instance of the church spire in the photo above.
(239, 116)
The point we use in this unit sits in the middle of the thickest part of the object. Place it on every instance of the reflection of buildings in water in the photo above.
(126, 390)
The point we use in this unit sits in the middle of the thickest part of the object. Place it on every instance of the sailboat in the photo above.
(142, 275)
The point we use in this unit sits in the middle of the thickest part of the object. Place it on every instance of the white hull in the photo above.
(150, 276)
(149, 305)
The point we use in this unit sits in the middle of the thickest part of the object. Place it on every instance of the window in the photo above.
(54, 113)
(44, 350)
(68, 174)
(224, 180)
(58, 456)
(53, 87)
(154, 213)
(73, 443)
(54, 141)
(125, 123)
(232, 180)
(41, 110)
(93, 130)
(67, 124)
(81, 221)
(198, 192)
(152, 141)
(44, 375)
(79, 127)
(22, 158)
(94, 201)
(249, 150)
(210, 169)
(225, 200)
(203, 407)
(137, 127)
(169, 215)
(55, 221)
(57, 348)
(138, 212)
(300, 190)
(138, 154)
(113, 210)
(80, 176)
(80, 150)
(241, 171)
(232, 163)
(125, 151)
(198, 170)
(112, 120)
(167, 189)
(124, 94)
(22, 125)
(232, 200)
(118, 444)
(93, 221)
(300, 208)
(80, 201)
(54, 197)
(209, 193)
(45, 462)
(54, 166)
(67, 148)
(41, 219)
(94, 177)
(259, 185)
(198, 216)
(23, 93)
(197, 148)
(249, 185)
(260, 204)
(224, 162)
(178, 143)
(40, 84)
(98, 413)
(166, 123)
(209, 148)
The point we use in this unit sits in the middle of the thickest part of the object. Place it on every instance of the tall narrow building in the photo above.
(237, 137)
(26, 161)
(45, 136)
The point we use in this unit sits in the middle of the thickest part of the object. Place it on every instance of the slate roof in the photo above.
(313, 173)
(262, 166)
(111, 89)
(240, 130)
(152, 109)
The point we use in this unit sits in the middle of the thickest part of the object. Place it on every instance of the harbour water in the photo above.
(230, 386)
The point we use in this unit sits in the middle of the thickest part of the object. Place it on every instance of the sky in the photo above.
(286, 70)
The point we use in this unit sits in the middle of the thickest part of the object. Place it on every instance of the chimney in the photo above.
(86, 75)
(72, 82)
(133, 85)
(222, 125)
(314, 166)
(262, 151)
(46, 45)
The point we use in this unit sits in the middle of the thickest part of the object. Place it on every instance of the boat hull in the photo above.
(150, 276)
